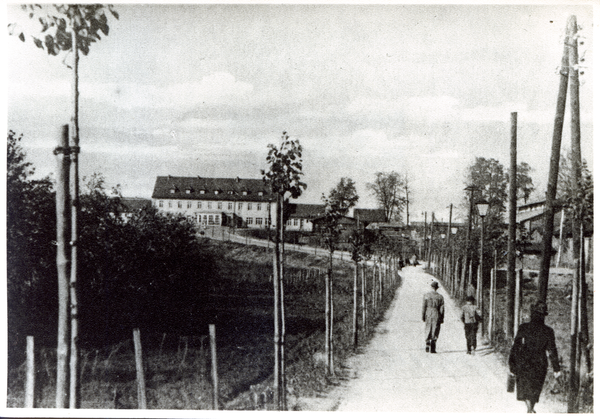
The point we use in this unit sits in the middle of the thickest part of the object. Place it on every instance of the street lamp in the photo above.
(482, 207)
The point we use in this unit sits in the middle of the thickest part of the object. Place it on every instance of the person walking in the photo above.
(433, 316)
(471, 317)
(528, 360)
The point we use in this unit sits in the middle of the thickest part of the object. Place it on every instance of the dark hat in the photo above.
(540, 308)
(435, 285)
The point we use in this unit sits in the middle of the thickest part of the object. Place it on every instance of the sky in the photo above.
(202, 89)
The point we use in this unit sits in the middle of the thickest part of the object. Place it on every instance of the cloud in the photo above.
(217, 88)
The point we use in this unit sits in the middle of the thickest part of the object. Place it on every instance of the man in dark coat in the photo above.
(433, 316)
(528, 359)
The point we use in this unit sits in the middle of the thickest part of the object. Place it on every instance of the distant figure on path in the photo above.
(433, 316)
(471, 316)
(413, 260)
(528, 359)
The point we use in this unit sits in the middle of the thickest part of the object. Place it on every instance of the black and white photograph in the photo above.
(223, 209)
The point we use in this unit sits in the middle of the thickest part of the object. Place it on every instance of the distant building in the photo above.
(366, 216)
(216, 201)
(301, 216)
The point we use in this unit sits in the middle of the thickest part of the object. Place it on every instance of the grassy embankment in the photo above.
(177, 368)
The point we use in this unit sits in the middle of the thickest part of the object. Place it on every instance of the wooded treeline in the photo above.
(140, 268)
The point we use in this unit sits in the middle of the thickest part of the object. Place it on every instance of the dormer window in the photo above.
(230, 192)
(172, 190)
(189, 190)
(245, 193)
(260, 193)
(202, 191)
(216, 192)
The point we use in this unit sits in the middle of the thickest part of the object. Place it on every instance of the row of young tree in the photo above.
(141, 269)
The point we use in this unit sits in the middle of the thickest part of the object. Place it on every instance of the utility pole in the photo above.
(512, 230)
(554, 165)
(449, 233)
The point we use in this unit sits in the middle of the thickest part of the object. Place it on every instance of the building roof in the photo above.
(212, 189)
(306, 211)
(368, 215)
(135, 204)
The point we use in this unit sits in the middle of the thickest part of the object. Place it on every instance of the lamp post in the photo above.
(482, 207)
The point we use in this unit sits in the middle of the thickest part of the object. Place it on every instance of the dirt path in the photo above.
(396, 374)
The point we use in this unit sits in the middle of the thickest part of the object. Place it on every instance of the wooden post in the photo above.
(63, 216)
(518, 292)
(139, 368)
(363, 305)
(512, 230)
(492, 309)
(355, 307)
(30, 377)
(573, 376)
(554, 165)
(214, 373)
(74, 387)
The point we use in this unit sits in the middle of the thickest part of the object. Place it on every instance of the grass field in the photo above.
(177, 363)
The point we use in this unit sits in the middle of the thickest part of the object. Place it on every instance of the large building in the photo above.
(216, 201)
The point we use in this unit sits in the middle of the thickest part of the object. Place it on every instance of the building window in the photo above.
(216, 192)
(202, 191)
(249, 221)
(219, 205)
(258, 207)
(240, 206)
(170, 204)
(301, 223)
(172, 190)
(288, 222)
(209, 205)
(245, 193)
(260, 193)
(211, 220)
(259, 221)
(188, 191)
(199, 204)
(295, 221)
(204, 219)
(178, 204)
(249, 205)
(160, 204)
(230, 206)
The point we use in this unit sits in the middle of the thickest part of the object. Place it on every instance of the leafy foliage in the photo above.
(343, 196)
(136, 270)
(285, 167)
(577, 198)
(58, 21)
(30, 249)
(387, 190)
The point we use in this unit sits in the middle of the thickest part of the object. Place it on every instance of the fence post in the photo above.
(139, 367)
(213, 356)
(518, 284)
(30, 380)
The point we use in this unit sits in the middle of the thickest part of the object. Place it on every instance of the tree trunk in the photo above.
(276, 303)
(282, 382)
(63, 217)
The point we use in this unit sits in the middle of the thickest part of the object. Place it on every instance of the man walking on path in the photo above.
(471, 316)
(433, 316)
